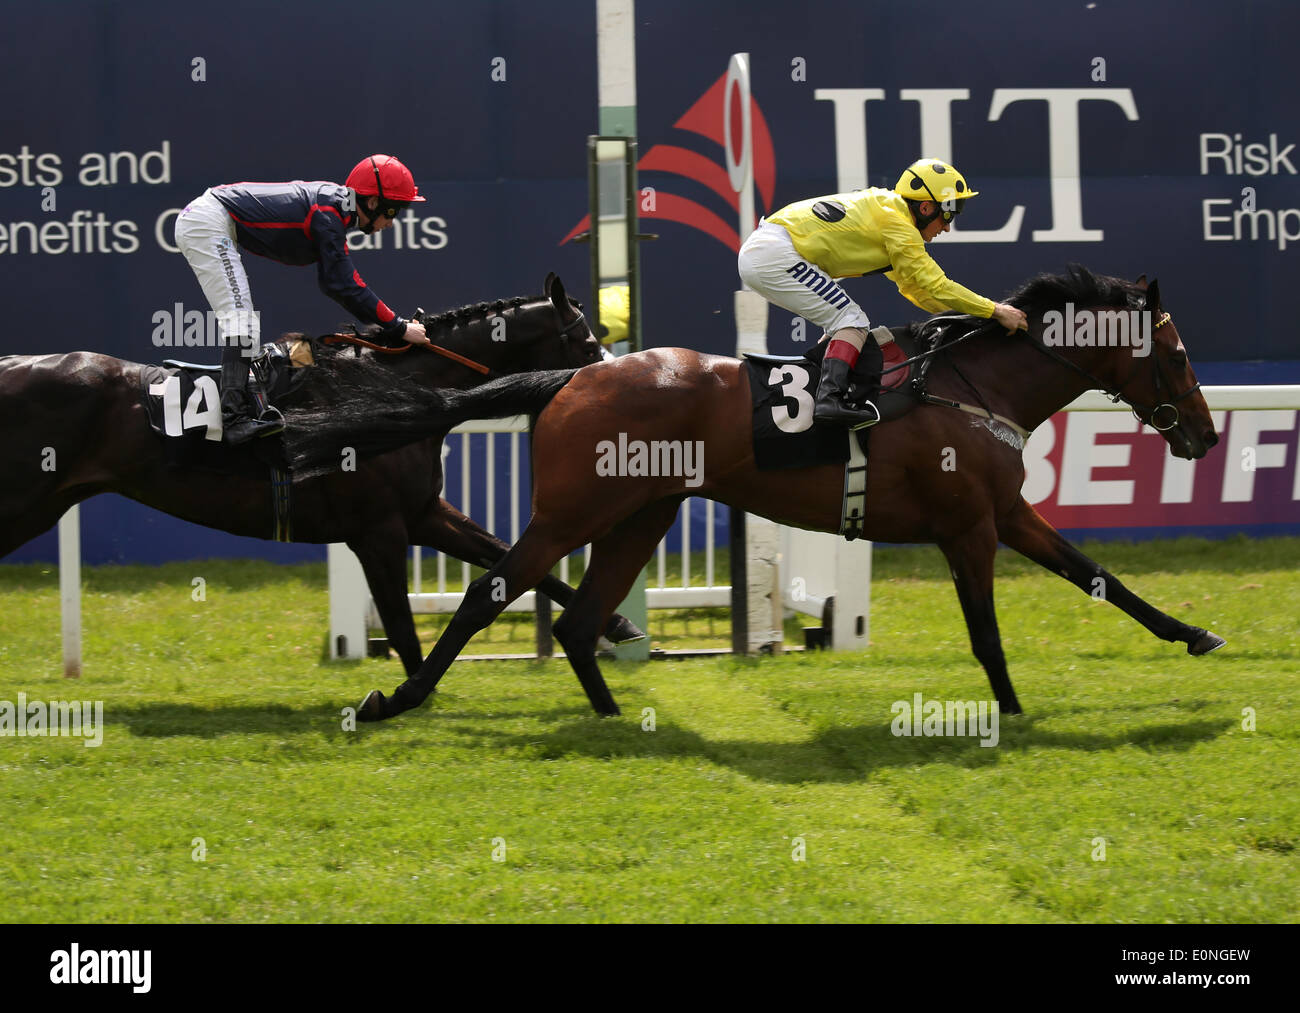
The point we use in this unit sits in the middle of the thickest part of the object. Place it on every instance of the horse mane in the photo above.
(342, 352)
(1036, 296)
(466, 314)
(1078, 285)
(443, 321)
(346, 382)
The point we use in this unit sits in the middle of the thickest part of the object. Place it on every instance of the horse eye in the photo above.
(1178, 359)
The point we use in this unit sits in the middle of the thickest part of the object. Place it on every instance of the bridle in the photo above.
(1159, 382)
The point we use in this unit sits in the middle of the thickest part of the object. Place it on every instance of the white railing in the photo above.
(352, 610)
(1250, 397)
(350, 605)
(684, 593)
(681, 594)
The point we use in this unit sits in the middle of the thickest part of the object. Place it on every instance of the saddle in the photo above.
(899, 390)
(273, 371)
(783, 389)
(182, 401)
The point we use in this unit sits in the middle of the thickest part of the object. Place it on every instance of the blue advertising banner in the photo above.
(1148, 137)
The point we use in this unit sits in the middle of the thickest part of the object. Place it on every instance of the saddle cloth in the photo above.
(783, 391)
(182, 400)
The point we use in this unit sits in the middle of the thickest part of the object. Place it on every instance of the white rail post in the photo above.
(349, 603)
(759, 579)
(70, 589)
(616, 90)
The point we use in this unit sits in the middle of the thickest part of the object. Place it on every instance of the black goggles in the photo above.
(949, 210)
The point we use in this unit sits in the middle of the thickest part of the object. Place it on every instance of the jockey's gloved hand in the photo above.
(414, 334)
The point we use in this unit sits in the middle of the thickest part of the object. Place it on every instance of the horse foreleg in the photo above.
(1025, 531)
(485, 598)
(383, 558)
(616, 560)
(448, 530)
(970, 559)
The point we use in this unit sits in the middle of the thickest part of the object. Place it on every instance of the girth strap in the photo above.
(281, 485)
(854, 505)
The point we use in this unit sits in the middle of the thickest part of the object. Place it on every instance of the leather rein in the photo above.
(1114, 393)
(478, 367)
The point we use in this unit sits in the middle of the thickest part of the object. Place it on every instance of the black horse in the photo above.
(73, 426)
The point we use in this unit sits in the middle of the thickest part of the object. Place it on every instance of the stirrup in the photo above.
(834, 412)
(243, 428)
(867, 406)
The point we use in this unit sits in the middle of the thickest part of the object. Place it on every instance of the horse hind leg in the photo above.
(382, 553)
(448, 530)
(970, 559)
(537, 550)
(616, 560)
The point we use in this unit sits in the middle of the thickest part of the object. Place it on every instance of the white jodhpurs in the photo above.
(770, 265)
(205, 234)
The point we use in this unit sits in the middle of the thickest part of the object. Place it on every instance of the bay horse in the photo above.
(913, 495)
(87, 408)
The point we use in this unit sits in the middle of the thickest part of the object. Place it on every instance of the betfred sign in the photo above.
(1089, 469)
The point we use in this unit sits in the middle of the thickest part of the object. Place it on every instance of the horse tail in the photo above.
(357, 418)
(521, 394)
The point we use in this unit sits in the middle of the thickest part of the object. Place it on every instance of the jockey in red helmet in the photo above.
(293, 223)
(387, 185)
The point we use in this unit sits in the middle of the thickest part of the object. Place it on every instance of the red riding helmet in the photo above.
(383, 176)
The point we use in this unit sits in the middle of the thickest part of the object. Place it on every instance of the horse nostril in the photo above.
(1211, 440)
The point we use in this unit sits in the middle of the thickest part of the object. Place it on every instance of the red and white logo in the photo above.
(706, 118)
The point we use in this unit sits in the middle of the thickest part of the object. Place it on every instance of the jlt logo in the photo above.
(1061, 139)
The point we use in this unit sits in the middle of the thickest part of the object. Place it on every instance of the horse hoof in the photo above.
(1205, 643)
(623, 631)
(372, 707)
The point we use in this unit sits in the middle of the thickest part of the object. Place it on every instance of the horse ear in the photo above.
(1153, 295)
(555, 291)
(1141, 282)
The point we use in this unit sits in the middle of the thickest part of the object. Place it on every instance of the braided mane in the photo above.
(1039, 294)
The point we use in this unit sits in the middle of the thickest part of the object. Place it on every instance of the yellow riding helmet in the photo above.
(930, 179)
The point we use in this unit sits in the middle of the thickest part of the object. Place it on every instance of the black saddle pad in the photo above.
(783, 389)
(183, 405)
(782, 393)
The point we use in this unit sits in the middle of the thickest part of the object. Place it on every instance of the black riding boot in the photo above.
(831, 390)
(237, 423)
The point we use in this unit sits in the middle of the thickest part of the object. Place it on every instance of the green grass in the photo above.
(223, 723)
